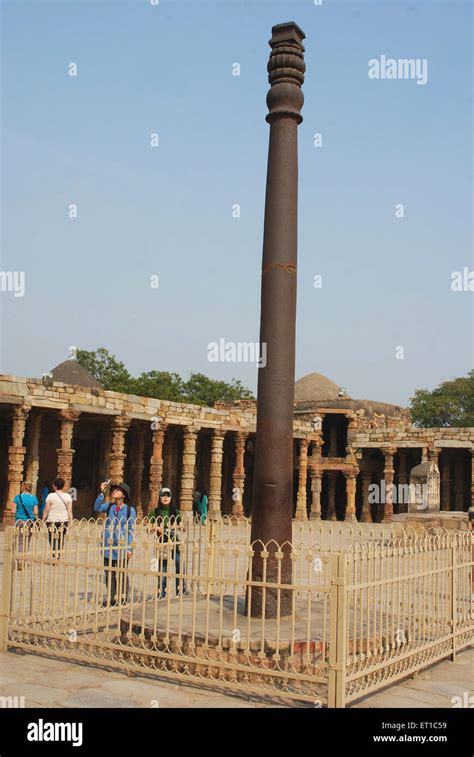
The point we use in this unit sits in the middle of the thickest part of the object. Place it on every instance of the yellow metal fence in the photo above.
(368, 606)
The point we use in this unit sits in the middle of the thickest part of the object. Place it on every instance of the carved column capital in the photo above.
(286, 69)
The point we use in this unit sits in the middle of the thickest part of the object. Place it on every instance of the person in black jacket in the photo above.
(165, 521)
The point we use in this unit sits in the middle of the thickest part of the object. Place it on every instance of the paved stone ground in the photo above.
(46, 682)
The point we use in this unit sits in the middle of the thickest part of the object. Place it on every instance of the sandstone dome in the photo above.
(72, 372)
(314, 387)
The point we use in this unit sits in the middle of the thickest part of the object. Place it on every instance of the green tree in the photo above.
(159, 384)
(111, 372)
(450, 404)
(201, 390)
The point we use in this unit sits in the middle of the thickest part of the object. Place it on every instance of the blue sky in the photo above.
(167, 211)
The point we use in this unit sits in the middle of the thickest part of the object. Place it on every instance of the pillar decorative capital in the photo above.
(286, 68)
(349, 474)
(69, 415)
(21, 412)
(121, 423)
(191, 431)
(218, 433)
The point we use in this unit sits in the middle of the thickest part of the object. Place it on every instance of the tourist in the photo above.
(202, 507)
(162, 519)
(47, 489)
(196, 498)
(26, 512)
(57, 514)
(117, 543)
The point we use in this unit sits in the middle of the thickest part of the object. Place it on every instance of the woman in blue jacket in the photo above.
(117, 543)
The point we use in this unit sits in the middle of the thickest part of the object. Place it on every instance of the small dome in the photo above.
(72, 372)
(315, 387)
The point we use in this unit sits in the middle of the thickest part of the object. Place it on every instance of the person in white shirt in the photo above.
(57, 514)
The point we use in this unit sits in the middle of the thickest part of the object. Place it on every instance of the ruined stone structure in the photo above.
(342, 447)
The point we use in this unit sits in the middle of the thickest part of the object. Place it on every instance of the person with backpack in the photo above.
(119, 528)
(26, 512)
(165, 521)
(57, 515)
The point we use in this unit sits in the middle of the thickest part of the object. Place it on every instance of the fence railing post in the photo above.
(211, 553)
(5, 607)
(454, 592)
(338, 631)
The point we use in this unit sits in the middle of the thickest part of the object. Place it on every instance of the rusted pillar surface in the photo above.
(273, 475)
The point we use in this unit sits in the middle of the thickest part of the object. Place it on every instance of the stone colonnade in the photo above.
(23, 463)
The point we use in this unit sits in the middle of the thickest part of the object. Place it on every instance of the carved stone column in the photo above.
(351, 432)
(136, 470)
(424, 454)
(434, 487)
(189, 464)
(16, 455)
(388, 474)
(351, 483)
(445, 481)
(215, 482)
(156, 464)
(65, 452)
(366, 515)
(316, 476)
(32, 457)
(238, 476)
(316, 485)
(301, 511)
(120, 426)
(331, 511)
